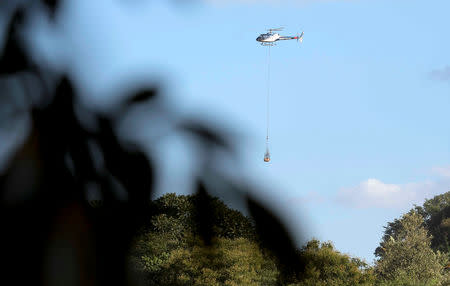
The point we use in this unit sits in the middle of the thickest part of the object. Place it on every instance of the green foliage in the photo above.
(391, 230)
(326, 266)
(436, 220)
(227, 223)
(228, 262)
(436, 214)
(405, 281)
(169, 251)
(405, 257)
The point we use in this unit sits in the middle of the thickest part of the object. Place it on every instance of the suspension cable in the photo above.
(268, 98)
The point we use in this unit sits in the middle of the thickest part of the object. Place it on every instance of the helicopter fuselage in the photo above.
(268, 39)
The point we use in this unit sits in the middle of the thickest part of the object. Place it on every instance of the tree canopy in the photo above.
(436, 220)
(415, 248)
(405, 254)
(436, 215)
(169, 251)
(327, 266)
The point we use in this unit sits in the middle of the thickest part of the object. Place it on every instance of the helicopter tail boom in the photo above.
(299, 38)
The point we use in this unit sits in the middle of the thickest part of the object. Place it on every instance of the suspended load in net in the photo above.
(267, 156)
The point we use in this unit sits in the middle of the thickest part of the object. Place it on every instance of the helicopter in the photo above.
(269, 39)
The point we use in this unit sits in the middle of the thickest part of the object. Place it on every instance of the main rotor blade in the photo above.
(276, 29)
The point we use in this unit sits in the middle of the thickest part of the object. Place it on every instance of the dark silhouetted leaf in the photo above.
(275, 237)
(205, 133)
(142, 96)
(14, 58)
(72, 133)
(53, 5)
(204, 213)
(58, 201)
(131, 168)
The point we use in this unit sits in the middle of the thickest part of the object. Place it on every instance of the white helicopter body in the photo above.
(269, 39)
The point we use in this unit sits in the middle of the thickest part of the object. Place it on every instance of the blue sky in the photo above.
(359, 111)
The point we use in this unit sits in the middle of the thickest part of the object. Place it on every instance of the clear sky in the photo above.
(359, 111)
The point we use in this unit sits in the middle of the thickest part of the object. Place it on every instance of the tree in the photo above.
(436, 214)
(406, 255)
(227, 262)
(169, 250)
(226, 222)
(326, 266)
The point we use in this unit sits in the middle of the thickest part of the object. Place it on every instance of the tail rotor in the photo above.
(300, 37)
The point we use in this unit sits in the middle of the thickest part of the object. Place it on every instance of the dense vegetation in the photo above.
(169, 250)
(415, 248)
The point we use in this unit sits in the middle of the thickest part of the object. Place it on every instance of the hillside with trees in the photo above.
(170, 251)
